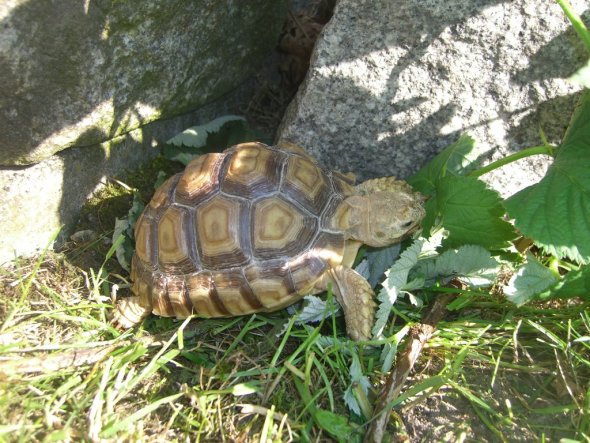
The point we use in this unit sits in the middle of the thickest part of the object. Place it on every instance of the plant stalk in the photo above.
(536, 150)
(419, 335)
(576, 22)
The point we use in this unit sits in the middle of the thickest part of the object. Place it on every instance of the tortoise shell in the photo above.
(247, 230)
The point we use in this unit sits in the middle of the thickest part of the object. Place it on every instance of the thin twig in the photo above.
(419, 335)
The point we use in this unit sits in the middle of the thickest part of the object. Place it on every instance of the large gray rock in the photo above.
(76, 73)
(39, 200)
(392, 83)
(105, 79)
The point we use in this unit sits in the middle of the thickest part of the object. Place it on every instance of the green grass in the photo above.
(491, 372)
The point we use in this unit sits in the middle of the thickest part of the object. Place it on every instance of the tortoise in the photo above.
(256, 228)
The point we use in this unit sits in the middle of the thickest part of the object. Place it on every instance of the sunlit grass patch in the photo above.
(490, 372)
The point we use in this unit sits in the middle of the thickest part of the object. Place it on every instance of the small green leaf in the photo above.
(198, 358)
(244, 389)
(573, 284)
(555, 212)
(472, 213)
(530, 279)
(160, 179)
(335, 424)
(456, 159)
(196, 136)
(582, 76)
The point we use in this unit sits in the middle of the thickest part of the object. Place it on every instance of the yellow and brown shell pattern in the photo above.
(242, 231)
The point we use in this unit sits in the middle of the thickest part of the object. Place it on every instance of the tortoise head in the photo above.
(385, 211)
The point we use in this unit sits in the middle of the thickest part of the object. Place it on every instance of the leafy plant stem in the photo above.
(576, 22)
(536, 150)
(419, 335)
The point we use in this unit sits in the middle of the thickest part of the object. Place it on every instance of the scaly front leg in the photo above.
(355, 295)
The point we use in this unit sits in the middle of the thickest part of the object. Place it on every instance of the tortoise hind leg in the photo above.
(129, 312)
(355, 295)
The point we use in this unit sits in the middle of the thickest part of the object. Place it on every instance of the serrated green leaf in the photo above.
(213, 136)
(415, 283)
(582, 76)
(471, 264)
(377, 261)
(198, 358)
(456, 159)
(125, 249)
(351, 402)
(316, 309)
(397, 275)
(472, 213)
(234, 132)
(327, 342)
(396, 278)
(531, 279)
(196, 136)
(572, 284)
(430, 218)
(135, 212)
(363, 268)
(415, 300)
(357, 381)
(555, 212)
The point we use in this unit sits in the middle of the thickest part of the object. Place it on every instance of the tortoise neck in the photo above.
(351, 218)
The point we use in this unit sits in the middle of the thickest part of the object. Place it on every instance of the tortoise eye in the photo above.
(407, 224)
